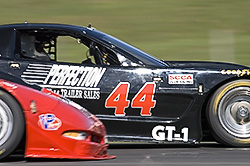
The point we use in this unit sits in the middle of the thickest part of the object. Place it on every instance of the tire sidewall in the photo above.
(18, 125)
(218, 131)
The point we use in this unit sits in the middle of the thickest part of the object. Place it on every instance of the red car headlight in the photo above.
(77, 135)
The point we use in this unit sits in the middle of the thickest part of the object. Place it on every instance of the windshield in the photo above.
(143, 57)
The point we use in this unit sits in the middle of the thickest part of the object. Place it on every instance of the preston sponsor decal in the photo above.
(67, 81)
(49, 122)
(180, 79)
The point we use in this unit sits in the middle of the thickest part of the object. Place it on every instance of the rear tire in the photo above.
(12, 124)
(229, 113)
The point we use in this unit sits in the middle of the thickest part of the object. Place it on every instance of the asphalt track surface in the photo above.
(140, 155)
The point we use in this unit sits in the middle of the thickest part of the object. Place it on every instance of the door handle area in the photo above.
(15, 65)
(157, 79)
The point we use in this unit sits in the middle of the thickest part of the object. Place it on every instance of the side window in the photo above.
(105, 56)
(45, 46)
(34, 48)
(72, 50)
(51, 47)
(125, 61)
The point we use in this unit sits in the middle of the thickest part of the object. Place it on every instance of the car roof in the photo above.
(89, 32)
(42, 25)
(8, 33)
(52, 26)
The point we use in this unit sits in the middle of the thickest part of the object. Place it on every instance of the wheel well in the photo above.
(21, 147)
(207, 135)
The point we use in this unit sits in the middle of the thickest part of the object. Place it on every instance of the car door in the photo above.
(136, 99)
(130, 99)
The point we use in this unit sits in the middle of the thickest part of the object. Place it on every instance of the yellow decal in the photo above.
(243, 141)
(2, 151)
(238, 72)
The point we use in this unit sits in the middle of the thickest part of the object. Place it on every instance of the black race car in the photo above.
(137, 97)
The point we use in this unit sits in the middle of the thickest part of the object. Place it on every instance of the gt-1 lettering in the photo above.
(161, 133)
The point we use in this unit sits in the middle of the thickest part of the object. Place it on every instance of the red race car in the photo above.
(45, 125)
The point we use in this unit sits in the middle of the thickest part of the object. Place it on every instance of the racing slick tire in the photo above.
(12, 124)
(228, 113)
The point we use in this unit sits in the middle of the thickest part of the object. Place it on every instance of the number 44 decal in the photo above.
(143, 99)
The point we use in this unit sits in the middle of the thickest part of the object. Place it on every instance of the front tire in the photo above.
(12, 124)
(229, 113)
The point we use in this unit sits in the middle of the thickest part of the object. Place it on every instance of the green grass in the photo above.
(166, 29)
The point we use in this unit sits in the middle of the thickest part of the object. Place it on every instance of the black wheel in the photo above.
(12, 124)
(229, 113)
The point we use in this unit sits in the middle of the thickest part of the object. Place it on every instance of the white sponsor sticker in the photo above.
(74, 76)
(66, 80)
(180, 79)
